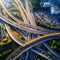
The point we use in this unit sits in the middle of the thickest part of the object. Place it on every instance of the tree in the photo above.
(35, 4)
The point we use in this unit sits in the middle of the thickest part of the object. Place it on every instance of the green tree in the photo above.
(35, 4)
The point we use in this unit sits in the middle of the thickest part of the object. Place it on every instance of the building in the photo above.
(47, 5)
(54, 10)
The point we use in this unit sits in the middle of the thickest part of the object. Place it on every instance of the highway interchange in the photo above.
(26, 28)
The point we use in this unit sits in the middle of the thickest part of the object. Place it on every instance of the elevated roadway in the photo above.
(31, 28)
(20, 22)
(37, 41)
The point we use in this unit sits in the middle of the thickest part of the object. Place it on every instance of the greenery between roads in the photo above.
(47, 26)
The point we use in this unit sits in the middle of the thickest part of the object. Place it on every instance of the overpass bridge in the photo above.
(26, 28)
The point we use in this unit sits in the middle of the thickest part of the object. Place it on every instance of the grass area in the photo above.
(55, 45)
(47, 26)
(18, 35)
(38, 59)
(4, 43)
(5, 52)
